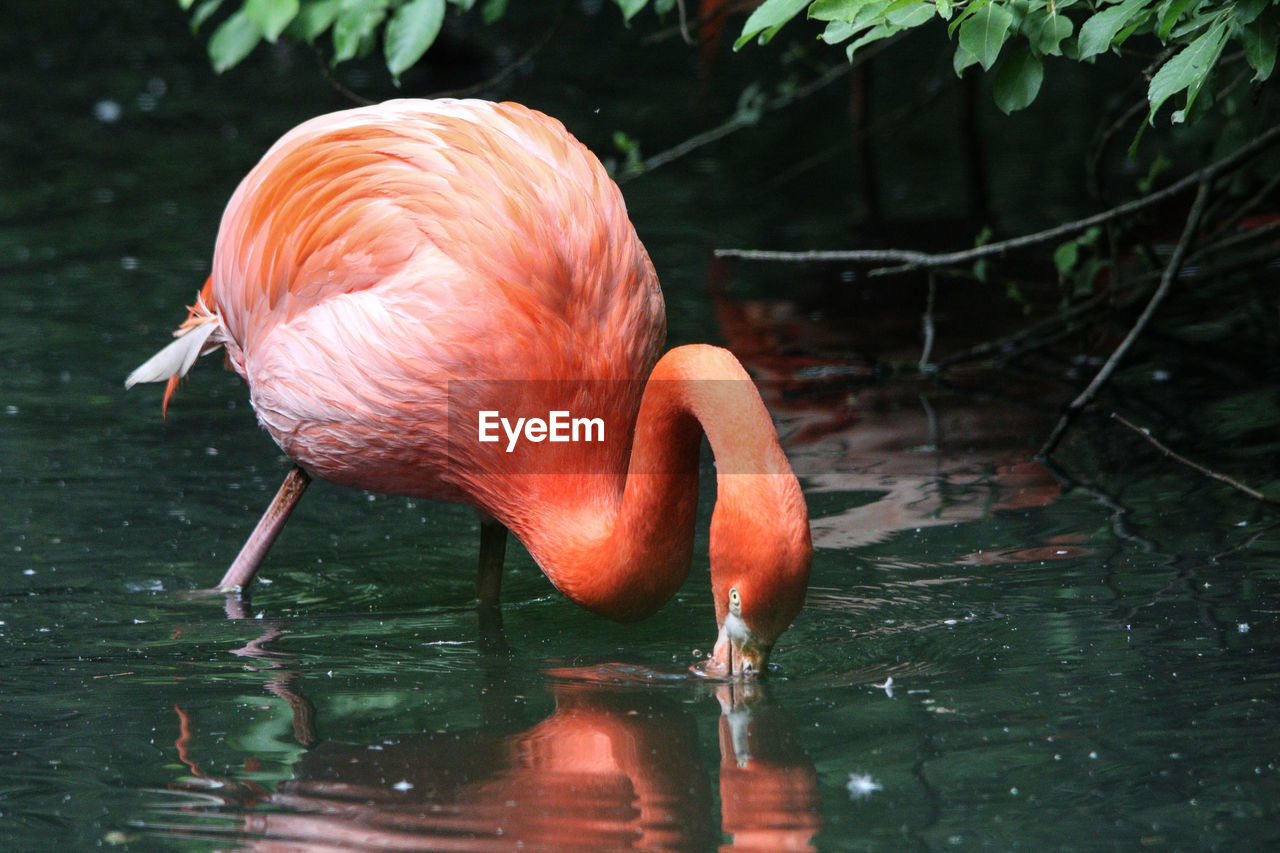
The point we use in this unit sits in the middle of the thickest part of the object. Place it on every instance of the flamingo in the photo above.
(387, 277)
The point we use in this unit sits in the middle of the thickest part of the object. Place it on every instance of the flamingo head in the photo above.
(759, 575)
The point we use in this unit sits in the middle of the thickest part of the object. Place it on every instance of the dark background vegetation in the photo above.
(1086, 658)
(898, 153)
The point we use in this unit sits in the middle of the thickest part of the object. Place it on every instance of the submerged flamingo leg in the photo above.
(259, 542)
(493, 547)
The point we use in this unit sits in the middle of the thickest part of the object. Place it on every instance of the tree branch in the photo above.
(1086, 396)
(1055, 327)
(739, 120)
(1208, 472)
(907, 259)
(508, 69)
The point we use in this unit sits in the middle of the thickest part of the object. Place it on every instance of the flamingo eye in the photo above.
(735, 600)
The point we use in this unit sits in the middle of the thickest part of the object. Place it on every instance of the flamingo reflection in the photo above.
(614, 766)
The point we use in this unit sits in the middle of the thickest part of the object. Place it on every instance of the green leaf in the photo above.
(1046, 30)
(874, 34)
(984, 32)
(1187, 27)
(1065, 257)
(1158, 167)
(899, 5)
(962, 59)
(1139, 21)
(869, 20)
(861, 14)
(968, 10)
(357, 20)
(1087, 275)
(203, 12)
(1097, 33)
(232, 41)
(944, 9)
(1137, 140)
(493, 10)
(767, 19)
(1259, 39)
(630, 7)
(314, 19)
(271, 16)
(630, 148)
(836, 10)
(838, 31)
(913, 13)
(1245, 11)
(186, 4)
(1170, 16)
(1018, 80)
(1012, 291)
(1187, 70)
(411, 30)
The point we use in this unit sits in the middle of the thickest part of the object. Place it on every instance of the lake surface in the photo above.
(992, 656)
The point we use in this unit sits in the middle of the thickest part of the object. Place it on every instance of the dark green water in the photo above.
(987, 660)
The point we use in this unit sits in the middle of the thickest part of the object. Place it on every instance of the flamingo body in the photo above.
(377, 254)
(386, 274)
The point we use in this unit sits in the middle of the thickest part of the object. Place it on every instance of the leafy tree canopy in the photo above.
(1012, 38)
(1015, 36)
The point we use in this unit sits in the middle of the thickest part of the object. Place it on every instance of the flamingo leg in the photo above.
(493, 547)
(269, 526)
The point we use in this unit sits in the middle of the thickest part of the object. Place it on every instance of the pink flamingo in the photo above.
(387, 275)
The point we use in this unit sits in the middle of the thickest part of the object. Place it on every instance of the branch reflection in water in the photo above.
(618, 764)
(931, 453)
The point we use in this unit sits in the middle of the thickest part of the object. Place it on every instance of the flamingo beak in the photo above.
(738, 652)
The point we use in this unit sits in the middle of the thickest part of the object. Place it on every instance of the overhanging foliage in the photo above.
(1188, 39)
(1015, 36)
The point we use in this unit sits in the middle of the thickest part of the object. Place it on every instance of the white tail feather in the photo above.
(176, 359)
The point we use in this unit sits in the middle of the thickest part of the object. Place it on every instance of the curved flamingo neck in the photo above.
(622, 547)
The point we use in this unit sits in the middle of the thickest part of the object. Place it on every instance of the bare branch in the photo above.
(326, 71)
(508, 69)
(1208, 472)
(684, 24)
(1189, 231)
(1053, 328)
(740, 120)
(907, 259)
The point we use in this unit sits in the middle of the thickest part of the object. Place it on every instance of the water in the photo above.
(989, 659)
